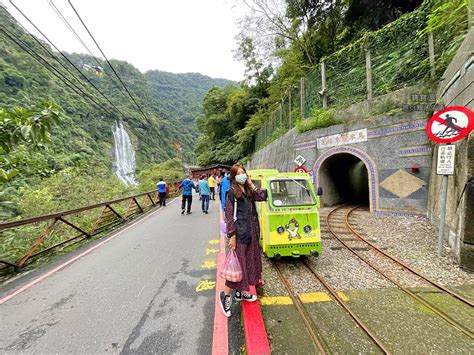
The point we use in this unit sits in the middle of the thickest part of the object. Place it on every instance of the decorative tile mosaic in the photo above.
(415, 151)
(397, 129)
(402, 184)
(399, 214)
(305, 145)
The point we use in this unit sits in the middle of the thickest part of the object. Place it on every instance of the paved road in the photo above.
(134, 294)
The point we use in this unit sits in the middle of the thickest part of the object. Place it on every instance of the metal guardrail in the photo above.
(109, 218)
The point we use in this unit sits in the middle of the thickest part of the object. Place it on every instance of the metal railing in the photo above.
(71, 226)
(396, 56)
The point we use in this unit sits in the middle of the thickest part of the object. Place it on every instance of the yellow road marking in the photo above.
(211, 251)
(214, 241)
(205, 285)
(304, 297)
(209, 264)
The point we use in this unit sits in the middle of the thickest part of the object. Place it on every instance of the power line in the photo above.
(108, 62)
(47, 51)
(71, 85)
(68, 60)
(71, 28)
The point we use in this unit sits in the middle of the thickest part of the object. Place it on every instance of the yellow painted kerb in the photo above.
(276, 300)
(304, 297)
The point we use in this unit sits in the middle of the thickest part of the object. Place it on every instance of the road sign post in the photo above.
(442, 217)
(447, 126)
(445, 167)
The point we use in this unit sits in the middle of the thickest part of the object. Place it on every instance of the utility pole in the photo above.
(302, 97)
(432, 54)
(368, 67)
(323, 85)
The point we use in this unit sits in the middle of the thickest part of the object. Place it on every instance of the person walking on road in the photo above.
(225, 186)
(162, 188)
(212, 187)
(187, 185)
(205, 194)
(243, 232)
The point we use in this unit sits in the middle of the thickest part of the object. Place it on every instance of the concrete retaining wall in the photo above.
(392, 148)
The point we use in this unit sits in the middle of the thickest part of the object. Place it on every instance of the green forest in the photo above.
(70, 163)
(283, 41)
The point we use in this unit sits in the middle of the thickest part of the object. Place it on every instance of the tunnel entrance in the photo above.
(344, 179)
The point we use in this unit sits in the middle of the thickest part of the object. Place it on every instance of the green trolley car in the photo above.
(289, 220)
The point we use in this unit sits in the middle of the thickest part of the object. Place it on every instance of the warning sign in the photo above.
(300, 160)
(446, 154)
(300, 169)
(450, 124)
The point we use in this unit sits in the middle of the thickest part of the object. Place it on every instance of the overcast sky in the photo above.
(177, 36)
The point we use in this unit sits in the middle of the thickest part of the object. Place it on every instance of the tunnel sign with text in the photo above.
(450, 124)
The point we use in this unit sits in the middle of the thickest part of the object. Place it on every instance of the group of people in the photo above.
(238, 196)
(206, 187)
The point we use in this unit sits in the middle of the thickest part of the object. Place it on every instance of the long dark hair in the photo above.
(235, 186)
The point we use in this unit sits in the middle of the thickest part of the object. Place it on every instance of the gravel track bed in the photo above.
(410, 239)
(272, 284)
(342, 270)
(413, 240)
(299, 277)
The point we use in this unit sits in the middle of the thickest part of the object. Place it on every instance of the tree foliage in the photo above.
(291, 36)
(29, 126)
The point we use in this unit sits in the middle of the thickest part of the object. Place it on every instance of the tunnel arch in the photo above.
(364, 157)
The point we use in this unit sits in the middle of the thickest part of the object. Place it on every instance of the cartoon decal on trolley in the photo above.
(292, 229)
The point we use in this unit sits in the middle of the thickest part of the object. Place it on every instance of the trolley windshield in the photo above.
(291, 192)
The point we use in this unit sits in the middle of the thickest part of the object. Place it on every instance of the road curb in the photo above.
(256, 339)
(220, 337)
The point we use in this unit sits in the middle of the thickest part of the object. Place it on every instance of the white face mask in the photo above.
(241, 178)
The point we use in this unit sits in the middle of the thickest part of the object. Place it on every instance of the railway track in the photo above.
(307, 320)
(338, 219)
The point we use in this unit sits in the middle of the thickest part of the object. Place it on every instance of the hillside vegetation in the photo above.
(80, 152)
(283, 42)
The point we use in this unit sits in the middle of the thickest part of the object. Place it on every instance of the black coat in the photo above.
(246, 216)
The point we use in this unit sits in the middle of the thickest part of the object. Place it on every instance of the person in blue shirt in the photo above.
(187, 185)
(225, 186)
(205, 192)
(161, 187)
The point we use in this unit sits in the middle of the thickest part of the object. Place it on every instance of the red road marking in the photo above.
(220, 337)
(254, 328)
(49, 273)
(440, 120)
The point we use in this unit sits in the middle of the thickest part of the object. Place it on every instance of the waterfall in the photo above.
(124, 163)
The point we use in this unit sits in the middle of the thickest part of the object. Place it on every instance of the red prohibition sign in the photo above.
(300, 169)
(450, 124)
